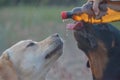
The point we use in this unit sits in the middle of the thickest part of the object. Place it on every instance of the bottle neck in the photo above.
(69, 14)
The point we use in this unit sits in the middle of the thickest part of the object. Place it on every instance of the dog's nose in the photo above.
(55, 35)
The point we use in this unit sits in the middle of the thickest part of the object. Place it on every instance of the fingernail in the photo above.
(96, 13)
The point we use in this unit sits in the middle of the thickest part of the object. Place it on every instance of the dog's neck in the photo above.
(25, 78)
(10, 72)
(98, 60)
(31, 76)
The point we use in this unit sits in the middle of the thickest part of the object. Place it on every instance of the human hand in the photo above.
(96, 6)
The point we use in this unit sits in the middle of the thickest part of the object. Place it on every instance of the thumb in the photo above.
(96, 7)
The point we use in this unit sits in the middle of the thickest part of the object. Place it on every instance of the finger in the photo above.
(96, 7)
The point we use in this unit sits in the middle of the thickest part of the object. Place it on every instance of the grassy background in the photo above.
(28, 22)
(17, 23)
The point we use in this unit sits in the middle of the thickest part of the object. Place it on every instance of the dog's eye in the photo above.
(31, 44)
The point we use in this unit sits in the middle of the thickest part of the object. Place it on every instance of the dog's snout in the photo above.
(57, 38)
(55, 35)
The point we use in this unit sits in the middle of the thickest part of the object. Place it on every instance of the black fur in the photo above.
(87, 41)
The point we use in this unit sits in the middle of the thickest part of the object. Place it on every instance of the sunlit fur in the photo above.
(22, 62)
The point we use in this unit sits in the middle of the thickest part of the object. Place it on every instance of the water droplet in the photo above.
(66, 32)
(63, 20)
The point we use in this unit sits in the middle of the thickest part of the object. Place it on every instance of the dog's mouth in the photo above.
(53, 52)
(75, 25)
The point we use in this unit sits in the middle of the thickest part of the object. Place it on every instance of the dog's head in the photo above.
(85, 36)
(96, 41)
(88, 36)
(31, 59)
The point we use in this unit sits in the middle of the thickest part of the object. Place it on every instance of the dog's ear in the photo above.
(5, 55)
(7, 71)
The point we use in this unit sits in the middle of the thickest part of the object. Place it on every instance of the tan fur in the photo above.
(98, 60)
(26, 60)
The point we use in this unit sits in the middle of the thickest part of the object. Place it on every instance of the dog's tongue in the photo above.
(74, 26)
(70, 26)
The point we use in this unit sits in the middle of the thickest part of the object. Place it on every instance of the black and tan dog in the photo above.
(101, 44)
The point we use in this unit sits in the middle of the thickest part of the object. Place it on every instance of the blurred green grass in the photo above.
(29, 22)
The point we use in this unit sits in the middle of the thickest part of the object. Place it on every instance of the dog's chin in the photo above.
(55, 49)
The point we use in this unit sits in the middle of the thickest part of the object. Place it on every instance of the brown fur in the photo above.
(96, 58)
(101, 44)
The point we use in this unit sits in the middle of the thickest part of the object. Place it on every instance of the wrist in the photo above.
(114, 4)
(114, 0)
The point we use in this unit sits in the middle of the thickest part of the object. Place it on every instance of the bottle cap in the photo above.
(64, 15)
